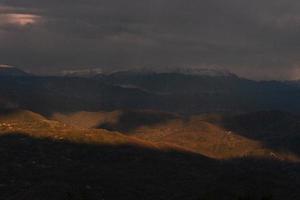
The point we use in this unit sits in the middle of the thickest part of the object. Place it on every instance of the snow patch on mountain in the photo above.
(89, 72)
(185, 71)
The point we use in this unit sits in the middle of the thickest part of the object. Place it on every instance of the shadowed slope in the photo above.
(276, 129)
(85, 119)
(121, 120)
(131, 120)
(34, 169)
(204, 134)
(48, 169)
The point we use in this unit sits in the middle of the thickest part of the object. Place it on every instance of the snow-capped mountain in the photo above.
(82, 72)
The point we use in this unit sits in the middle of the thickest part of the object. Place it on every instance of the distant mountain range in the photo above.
(148, 135)
(179, 92)
(92, 72)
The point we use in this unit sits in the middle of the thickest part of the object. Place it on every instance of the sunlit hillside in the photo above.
(50, 160)
(203, 134)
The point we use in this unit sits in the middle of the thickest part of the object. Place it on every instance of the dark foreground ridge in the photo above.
(34, 169)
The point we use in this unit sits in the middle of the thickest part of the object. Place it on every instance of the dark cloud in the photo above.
(257, 39)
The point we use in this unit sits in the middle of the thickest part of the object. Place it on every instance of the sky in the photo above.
(256, 39)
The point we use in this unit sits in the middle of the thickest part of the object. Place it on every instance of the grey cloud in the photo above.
(257, 39)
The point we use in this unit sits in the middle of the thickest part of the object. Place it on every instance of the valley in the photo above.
(60, 139)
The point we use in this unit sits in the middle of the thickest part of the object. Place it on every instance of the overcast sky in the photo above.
(257, 39)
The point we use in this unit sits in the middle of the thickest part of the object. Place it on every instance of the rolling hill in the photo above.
(208, 135)
(45, 159)
(34, 125)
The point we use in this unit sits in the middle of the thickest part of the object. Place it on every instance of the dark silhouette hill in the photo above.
(35, 168)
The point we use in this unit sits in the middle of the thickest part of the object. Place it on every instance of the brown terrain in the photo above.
(203, 134)
(141, 155)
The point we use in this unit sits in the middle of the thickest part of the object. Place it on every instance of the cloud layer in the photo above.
(256, 39)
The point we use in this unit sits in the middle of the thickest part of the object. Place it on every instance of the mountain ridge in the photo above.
(6, 70)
